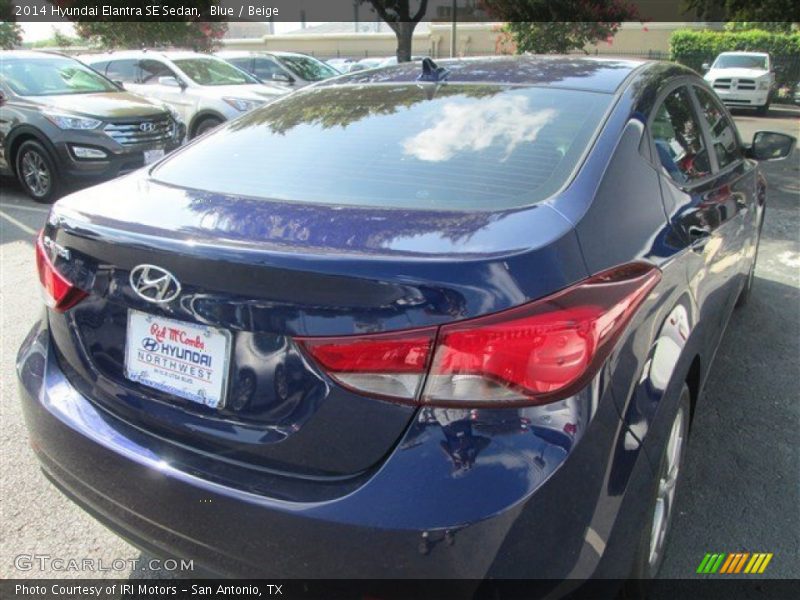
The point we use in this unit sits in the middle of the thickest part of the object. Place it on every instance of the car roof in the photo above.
(575, 72)
(168, 54)
(745, 52)
(239, 53)
(32, 54)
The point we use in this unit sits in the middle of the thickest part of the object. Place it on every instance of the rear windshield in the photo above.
(457, 147)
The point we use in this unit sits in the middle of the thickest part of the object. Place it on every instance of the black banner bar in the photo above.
(711, 588)
(337, 10)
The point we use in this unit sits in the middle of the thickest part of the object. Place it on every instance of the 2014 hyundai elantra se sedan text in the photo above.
(423, 321)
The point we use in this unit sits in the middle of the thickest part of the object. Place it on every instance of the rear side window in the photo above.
(723, 132)
(151, 70)
(126, 71)
(265, 68)
(459, 147)
(679, 140)
(100, 67)
(246, 63)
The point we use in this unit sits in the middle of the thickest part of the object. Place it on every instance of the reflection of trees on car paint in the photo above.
(334, 227)
(334, 107)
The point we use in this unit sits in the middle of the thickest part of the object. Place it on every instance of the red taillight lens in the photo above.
(386, 365)
(59, 294)
(533, 354)
(538, 352)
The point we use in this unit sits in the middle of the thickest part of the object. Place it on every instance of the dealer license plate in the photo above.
(186, 360)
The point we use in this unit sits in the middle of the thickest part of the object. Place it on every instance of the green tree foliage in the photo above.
(198, 36)
(10, 32)
(546, 26)
(402, 16)
(693, 48)
(557, 38)
(747, 10)
(775, 26)
(170, 31)
(10, 35)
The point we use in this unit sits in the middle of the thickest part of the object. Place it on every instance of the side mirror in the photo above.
(705, 66)
(281, 78)
(169, 81)
(771, 145)
(2, 97)
(118, 82)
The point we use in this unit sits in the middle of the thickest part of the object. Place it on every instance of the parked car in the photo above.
(204, 90)
(366, 63)
(796, 95)
(341, 64)
(283, 68)
(392, 60)
(62, 124)
(742, 79)
(480, 360)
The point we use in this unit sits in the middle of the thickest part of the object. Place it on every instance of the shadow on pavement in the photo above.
(744, 441)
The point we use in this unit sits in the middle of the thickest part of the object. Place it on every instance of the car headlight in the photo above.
(763, 84)
(243, 104)
(172, 113)
(64, 121)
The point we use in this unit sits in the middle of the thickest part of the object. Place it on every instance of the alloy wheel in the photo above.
(36, 173)
(668, 477)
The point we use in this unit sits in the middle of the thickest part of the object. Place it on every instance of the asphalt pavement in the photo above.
(741, 486)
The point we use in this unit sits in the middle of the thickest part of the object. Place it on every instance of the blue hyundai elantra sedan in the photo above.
(438, 321)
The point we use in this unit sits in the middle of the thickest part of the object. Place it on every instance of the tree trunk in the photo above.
(404, 33)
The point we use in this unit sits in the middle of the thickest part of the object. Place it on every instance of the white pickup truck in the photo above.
(742, 79)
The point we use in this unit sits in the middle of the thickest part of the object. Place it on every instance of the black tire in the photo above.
(206, 125)
(763, 110)
(36, 172)
(648, 559)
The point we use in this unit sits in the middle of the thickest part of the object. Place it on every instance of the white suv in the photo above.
(203, 90)
(742, 79)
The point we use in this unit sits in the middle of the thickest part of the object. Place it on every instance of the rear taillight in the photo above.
(388, 365)
(58, 292)
(532, 354)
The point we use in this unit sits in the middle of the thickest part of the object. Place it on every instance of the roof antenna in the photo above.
(432, 72)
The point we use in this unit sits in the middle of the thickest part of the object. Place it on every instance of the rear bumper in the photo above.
(461, 496)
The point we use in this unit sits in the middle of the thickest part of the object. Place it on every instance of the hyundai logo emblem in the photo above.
(147, 127)
(154, 284)
(150, 344)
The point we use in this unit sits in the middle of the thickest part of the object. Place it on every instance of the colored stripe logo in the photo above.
(734, 562)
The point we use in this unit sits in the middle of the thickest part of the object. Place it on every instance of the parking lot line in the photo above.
(13, 221)
(25, 208)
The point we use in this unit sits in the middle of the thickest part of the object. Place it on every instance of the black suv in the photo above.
(61, 123)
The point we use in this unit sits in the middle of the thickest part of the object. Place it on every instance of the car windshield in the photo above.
(741, 61)
(459, 147)
(52, 76)
(212, 71)
(308, 68)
